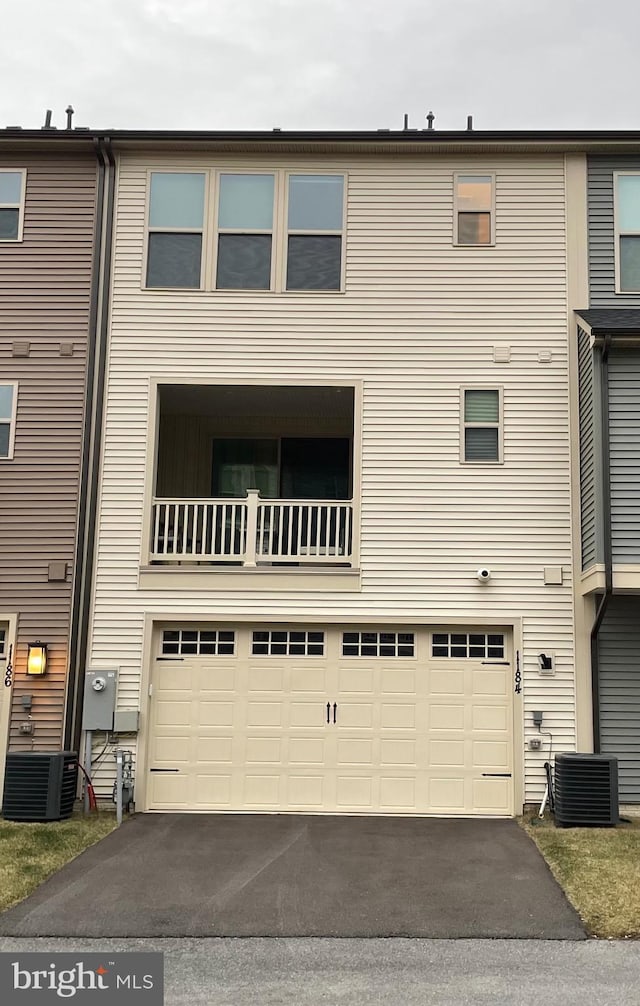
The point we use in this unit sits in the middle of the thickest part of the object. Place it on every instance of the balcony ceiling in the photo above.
(256, 400)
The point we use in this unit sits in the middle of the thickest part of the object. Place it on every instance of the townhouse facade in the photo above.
(334, 536)
(609, 371)
(49, 253)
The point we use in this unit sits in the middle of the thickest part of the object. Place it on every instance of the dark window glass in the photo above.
(481, 444)
(279, 637)
(244, 262)
(349, 637)
(405, 651)
(174, 260)
(629, 262)
(225, 648)
(260, 648)
(313, 262)
(4, 439)
(474, 228)
(459, 639)
(387, 651)
(407, 637)
(226, 636)
(171, 635)
(316, 637)
(440, 638)
(369, 651)
(295, 649)
(387, 637)
(477, 640)
(9, 220)
(496, 651)
(297, 637)
(207, 648)
(279, 649)
(316, 649)
(260, 637)
(476, 651)
(190, 635)
(208, 637)
(170, 648)
(440, 651)
(349, 650)
(496, 640)
(458, 651)
(189, 648)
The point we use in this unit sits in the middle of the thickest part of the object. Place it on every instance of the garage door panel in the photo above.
(446, 717)
(447, 682)
(446, 794)
(214, 714)
(412, 734)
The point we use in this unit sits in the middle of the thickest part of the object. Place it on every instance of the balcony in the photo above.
(252, 531)
(253, 478)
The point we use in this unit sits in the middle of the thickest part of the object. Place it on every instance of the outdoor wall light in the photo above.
(37, 659)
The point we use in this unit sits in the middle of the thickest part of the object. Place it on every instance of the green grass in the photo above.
(29, 853)
(599, 870)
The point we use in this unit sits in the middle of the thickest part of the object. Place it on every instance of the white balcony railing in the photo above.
(252, 531)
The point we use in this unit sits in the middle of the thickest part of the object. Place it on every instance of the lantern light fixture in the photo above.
(37, 659)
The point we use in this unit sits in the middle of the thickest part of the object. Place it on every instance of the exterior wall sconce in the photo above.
(37, 659)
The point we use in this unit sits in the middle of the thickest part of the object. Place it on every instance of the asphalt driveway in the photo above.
(263, 875)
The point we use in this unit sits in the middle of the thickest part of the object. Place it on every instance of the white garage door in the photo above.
(335, 720)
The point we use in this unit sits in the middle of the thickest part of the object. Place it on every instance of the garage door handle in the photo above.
(335, 710)
(164, 769)
(328, 712)
(496, 775)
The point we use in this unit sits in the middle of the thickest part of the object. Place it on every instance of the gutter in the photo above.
(94, 414)
(606, 529)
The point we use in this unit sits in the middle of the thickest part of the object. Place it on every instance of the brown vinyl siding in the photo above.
(45, 287)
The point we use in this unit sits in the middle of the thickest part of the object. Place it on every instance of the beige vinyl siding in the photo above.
(418, 320)
(45, 282)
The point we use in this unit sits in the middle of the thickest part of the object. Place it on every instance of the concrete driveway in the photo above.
(263, 875)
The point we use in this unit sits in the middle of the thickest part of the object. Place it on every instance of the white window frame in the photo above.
(11, 418)
(286, 232)
(210, 230)
(176, 230)
(457, 210)
(482, 426)
(16, 206)
(217, 230)
(619, 232)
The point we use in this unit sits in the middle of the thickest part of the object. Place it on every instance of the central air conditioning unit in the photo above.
(39, 786)
(586, 791)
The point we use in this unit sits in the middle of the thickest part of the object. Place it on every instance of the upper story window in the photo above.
(245, 232)
(273, 231)
(627, 223)
(474, 210)
(8, 402)
(12, 189)
(315, 221)
(176, 228)
(482, 425)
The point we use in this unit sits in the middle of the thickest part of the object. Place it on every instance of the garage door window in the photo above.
(279, 642)
(198, 642)
(468, 644)
(378, 644)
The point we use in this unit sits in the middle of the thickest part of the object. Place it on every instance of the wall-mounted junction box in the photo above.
(99, 700)
(126, 721)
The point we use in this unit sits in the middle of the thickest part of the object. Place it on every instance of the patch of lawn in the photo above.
(29, 853)
(599, 869)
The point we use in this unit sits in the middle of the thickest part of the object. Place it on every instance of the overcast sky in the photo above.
(321, 64)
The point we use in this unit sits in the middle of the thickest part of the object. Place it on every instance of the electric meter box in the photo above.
(100, 689)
